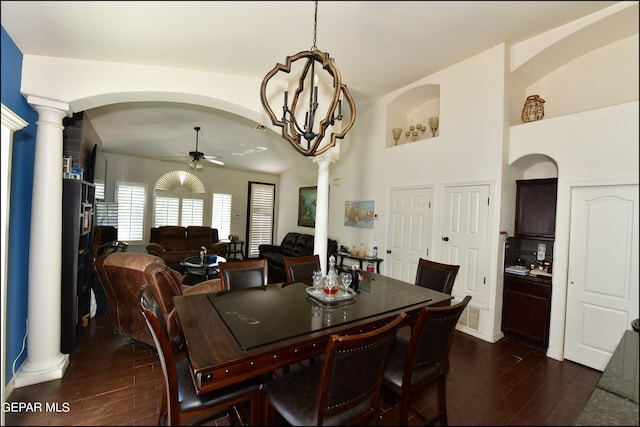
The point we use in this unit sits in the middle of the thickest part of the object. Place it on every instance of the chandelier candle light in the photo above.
(309, 84)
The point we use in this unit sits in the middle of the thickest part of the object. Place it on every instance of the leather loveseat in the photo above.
(293, 245)
(174, 243)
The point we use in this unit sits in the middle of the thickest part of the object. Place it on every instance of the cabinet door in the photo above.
(525, 313)
(536, 207)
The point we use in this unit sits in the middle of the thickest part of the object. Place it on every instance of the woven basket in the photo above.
(533, 109)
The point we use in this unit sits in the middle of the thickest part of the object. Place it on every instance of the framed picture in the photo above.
(359, 213)
(307, 206)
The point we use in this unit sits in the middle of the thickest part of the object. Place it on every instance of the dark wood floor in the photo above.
(111, 381)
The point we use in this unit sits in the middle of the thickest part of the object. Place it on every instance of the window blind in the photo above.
(166, 211)
(192, 212)
(261, 213)
(131, 202)
(221, 213)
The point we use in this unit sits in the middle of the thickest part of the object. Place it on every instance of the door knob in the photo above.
(445, 238)
(388, 251)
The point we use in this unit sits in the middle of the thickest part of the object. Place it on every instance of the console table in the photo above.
(343, 255)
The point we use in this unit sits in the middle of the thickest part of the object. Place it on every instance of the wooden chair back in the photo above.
(244, 274)
(436, 276)
(300, 268)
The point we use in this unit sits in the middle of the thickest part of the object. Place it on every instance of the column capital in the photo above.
(36, 101)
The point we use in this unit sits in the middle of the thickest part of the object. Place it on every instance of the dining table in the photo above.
(231, 336)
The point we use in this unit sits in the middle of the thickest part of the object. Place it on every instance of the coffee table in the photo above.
(194, 266)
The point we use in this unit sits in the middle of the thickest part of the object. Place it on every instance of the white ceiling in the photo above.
(379, 46)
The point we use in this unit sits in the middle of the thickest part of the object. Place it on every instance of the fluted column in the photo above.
(44, 360)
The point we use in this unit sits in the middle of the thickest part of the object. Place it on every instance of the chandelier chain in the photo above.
(315, 28)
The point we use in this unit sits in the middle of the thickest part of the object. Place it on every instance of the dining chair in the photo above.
(436, 276)
(244, 274)
(423, 360)
(180, 402)
(300, 268)
(342, 390)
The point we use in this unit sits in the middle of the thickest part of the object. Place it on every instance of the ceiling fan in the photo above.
(197, 157)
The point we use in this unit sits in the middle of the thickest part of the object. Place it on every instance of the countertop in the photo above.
(614, 401)
(544, 280)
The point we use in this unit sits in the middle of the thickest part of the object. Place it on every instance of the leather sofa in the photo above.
(293, 245)
(123, 274)
(174, 243)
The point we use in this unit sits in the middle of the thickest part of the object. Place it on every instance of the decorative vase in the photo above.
(533, 109)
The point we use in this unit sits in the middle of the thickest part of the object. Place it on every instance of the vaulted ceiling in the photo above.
(379, 46)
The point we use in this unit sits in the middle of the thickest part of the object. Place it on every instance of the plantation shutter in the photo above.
(166, 211)
(192, 212)
(221, 213)
(131, 202)
(261, 213)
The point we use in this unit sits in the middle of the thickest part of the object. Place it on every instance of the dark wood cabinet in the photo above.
(536, 208)
(526, 310)
(77, 259)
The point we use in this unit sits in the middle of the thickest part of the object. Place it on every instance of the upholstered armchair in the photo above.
(123, 275)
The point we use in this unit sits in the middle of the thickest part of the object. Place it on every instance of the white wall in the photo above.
(467, 150)
(600, 78)
(593, 137)
(214, 179)
(590, 134)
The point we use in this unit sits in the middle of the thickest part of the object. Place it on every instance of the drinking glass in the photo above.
(331, 284)
(316, 276)
(346, 280)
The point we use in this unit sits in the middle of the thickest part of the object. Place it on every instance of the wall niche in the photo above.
(413, 112)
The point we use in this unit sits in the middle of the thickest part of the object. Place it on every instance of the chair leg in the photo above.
(256, 407)
(404, 408)
(268, 414)
(442, 401)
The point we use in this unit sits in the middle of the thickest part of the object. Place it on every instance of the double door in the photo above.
(462, 235)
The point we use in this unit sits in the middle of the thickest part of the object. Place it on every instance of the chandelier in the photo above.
(299, 121)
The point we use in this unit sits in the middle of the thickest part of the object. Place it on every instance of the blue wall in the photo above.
(24, 143)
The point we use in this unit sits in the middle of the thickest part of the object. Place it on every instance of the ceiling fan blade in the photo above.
(176, 158)
(214, 159)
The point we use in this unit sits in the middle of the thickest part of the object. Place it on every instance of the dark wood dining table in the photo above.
(234, 336)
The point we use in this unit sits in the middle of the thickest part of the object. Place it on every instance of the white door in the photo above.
(602, 295)
(409, 225)
(463, 232)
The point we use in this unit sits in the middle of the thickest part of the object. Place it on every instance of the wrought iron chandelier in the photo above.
(305, 101)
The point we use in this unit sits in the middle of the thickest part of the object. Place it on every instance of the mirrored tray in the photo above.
(319, 295)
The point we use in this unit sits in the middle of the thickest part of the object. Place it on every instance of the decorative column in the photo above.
(322, 204)
(44, 360)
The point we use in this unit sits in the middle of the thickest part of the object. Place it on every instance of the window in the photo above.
(221, 213)
(99, 191)
(107, 214)
(177, 210)
(191, 212)
(131, 201)
(260, 216)
(166, 211)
